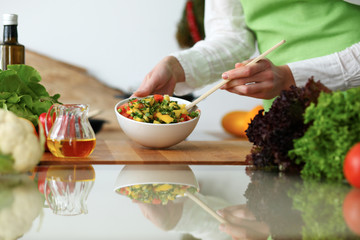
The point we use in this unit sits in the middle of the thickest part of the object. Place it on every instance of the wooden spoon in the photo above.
(205, 207)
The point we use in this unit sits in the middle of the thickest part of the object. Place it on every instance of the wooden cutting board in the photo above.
(187, 152)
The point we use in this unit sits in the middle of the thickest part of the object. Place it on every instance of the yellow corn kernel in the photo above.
(176, 191)
(178, 113)
(164, 118)
(136, 105)
(183, 109)
(137, 111)
(163, 187)
(138, 119)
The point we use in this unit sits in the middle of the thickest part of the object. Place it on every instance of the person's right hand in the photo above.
(162, 78)
(261, 80)
(242, 224)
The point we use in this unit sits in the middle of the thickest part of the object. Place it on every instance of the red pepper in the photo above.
(125, 114)
(158, 97)
(185, 117)
(156, 201)
(123, 109)
(42, 118)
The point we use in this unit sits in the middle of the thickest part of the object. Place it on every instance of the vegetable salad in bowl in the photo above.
(156, 121)
(157, 109)
(156, 193)
(155, 184)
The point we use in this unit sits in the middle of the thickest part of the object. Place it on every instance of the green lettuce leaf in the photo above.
(26, 73)
(22, 93)
(334, 130)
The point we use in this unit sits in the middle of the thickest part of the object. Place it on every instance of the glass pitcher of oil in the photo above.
(69, 133)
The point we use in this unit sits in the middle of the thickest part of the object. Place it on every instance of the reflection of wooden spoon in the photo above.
(213, 89)
(205, 207)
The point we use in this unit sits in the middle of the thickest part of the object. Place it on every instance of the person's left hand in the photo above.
(259, 80)
(242, 224)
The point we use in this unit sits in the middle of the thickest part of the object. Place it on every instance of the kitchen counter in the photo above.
(78, 199)
(187, 152)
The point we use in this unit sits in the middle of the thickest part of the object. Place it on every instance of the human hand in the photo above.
(162, 78)
(259, 80)
(242, 224)
(163, 216)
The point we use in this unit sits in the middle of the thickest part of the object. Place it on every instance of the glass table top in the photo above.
(117, 202)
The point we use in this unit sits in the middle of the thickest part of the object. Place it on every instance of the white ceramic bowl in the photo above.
(156, 135)
(161, 174)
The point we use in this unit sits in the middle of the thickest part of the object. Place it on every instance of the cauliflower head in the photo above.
(20, 148)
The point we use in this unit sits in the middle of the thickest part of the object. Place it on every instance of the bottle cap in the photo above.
(10, 19)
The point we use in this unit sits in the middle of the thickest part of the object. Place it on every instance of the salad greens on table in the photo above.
(335, 128)
(273, 133)
(22, 93)
(307, 129)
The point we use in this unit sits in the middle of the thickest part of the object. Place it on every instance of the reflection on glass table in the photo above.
(280, 206)
(257, 204)
(161, 193)
(20, 204)
(156, 184)
(67, 188)
(293, 208)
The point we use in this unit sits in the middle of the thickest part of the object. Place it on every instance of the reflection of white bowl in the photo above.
(149, 174)
(156, 135)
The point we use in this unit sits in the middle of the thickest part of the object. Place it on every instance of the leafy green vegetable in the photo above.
(335, 128)
(22, 93)
(194, 114)
(273, 132)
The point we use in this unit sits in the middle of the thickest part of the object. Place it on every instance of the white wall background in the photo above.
(117, 41)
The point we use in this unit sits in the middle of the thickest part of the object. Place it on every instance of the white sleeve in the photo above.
(337, 71)
(227, 42)
(356, 2)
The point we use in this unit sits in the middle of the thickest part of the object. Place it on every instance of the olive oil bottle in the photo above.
(11, 51)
